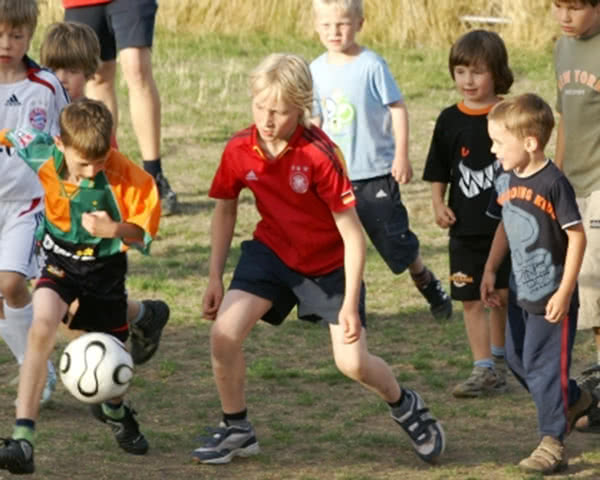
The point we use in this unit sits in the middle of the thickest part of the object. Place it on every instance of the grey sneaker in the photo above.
(16, 456)
(425, 432)
(226, 442)
(482, 381)
(126, 430)
(549, 457)
(168, 198)
(501, 372)
(146, 332)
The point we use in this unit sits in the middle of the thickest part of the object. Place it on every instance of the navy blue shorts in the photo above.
(467, 261)
(261, 273)
(98, 285)
(119, 24)
(385, 219)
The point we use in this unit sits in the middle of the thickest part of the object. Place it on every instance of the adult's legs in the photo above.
(144, 99)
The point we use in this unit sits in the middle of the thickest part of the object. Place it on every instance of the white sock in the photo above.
(598, 357)
(15, 327)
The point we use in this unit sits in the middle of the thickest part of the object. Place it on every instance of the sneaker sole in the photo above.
(249, 451)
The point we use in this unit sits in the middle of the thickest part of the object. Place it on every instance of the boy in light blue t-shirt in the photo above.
(358, 104)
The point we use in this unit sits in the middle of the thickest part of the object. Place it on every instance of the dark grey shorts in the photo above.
(385, 219)
(261, 273)
(119, 24)
(467, 260)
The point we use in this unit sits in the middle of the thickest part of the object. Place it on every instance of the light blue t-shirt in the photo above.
(352, 99)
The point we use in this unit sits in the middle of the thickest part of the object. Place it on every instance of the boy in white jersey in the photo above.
(29, 97)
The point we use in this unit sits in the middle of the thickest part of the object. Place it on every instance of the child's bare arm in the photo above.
(498, 252)
(401, 167)
(560, 144)
(101, 225)
(222, 228)
(444, 216)
(558, 305)
(350, 229)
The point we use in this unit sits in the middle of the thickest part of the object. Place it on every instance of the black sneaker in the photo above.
(126, 430)
(146, 332)
(425, 432)
(440, 303)
(16, 456)
(168, 198)
(590, 379)
(226, 442)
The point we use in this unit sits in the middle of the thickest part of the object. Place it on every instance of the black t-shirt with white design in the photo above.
(460, 155)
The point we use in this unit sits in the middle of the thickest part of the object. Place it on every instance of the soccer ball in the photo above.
(96, 367)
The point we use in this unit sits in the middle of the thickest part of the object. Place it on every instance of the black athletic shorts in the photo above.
(119, 24)
(385, 219)
(467, 260)
(261, 273)
(99, 285)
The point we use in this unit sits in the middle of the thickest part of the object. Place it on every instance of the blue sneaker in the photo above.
(226, 442)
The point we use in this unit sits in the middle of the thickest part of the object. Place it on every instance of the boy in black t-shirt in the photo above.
(460, 160)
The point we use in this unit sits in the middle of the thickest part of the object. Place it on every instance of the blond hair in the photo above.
(86, 126)
(288, 77)
(353, 7)
(526, 115)
(19, 13)
(72, 46)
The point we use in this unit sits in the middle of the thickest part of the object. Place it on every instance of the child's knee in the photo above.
(352, 367)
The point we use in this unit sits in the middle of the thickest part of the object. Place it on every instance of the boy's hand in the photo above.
(213, 296)
(402, 170)
(349, 320)
(557, 307)
(99, 224)
(489, 296)
(444, 216)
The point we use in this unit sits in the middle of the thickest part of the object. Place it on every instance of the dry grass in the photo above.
(401, 23)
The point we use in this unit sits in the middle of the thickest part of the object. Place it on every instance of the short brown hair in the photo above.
(593, 3)
(526, 115)
(288, 77)
(486, 48)
(19, 13)
(86, 125)
(71, 45)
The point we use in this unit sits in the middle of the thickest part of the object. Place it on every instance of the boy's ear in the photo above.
(59, 144)
(531, 144)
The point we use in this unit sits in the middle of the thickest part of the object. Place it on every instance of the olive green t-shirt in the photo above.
(577, 62)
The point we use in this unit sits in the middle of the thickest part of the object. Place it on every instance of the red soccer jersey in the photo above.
(295, 195)
(82, 3)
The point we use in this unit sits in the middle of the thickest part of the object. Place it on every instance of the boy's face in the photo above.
(14, 43)
(476, 85)
(576, 19)
(337, 28)
(78, 166)
(275, 118)
(73, 80)
(509, 149)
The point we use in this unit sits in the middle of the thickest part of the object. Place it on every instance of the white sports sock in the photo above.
(15, 327)
(598, 357)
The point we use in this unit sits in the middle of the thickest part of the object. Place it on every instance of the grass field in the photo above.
(312, 423)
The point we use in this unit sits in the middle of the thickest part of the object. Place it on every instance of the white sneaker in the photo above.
(50, 384)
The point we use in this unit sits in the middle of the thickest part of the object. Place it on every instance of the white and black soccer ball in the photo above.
(96, 367)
